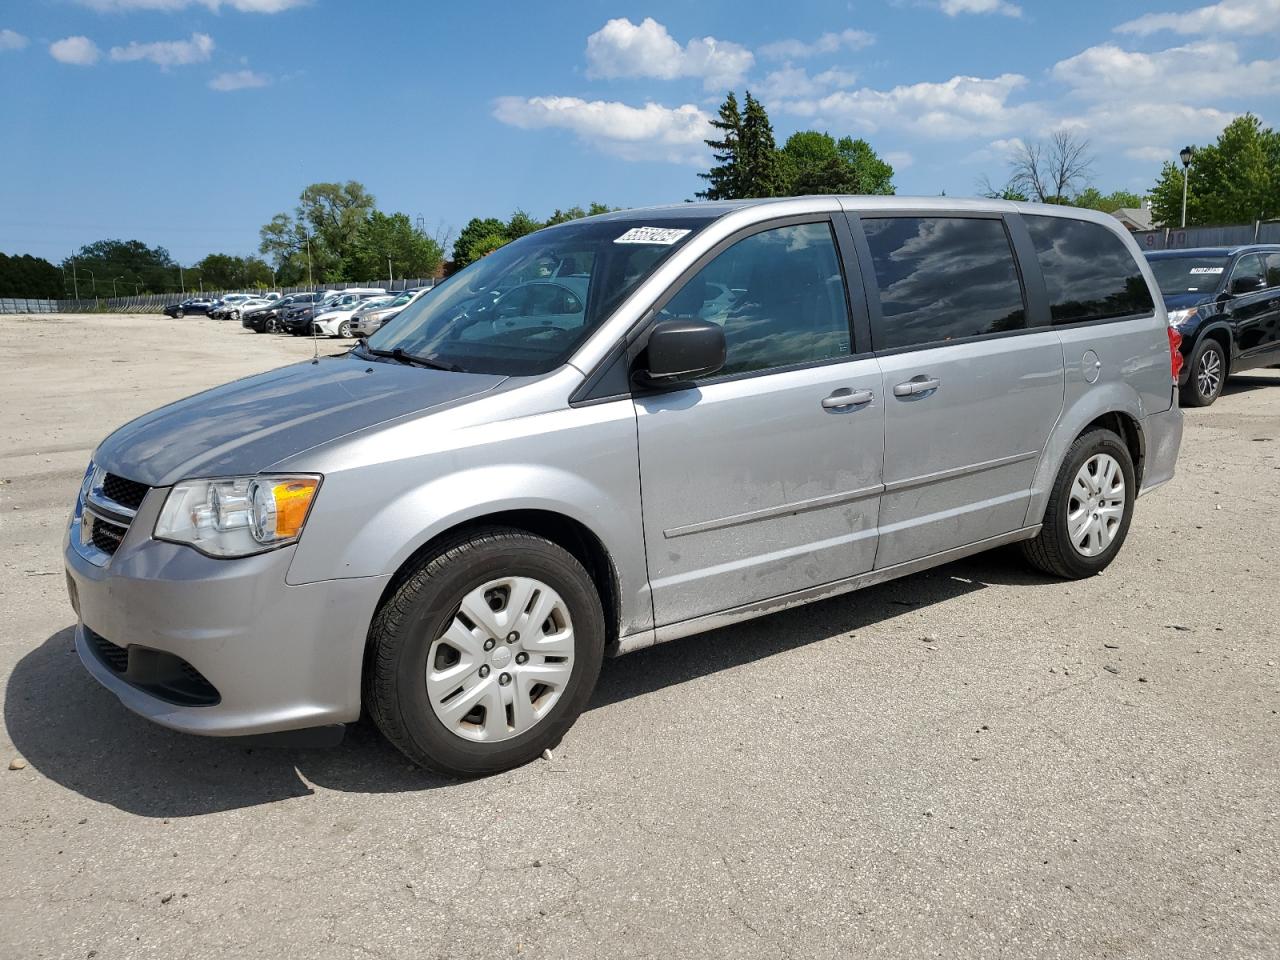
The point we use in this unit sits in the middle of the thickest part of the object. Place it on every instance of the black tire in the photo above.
(179, 314)
(420, 609)
(1207, 351)
(272, 326)
(1052, 550)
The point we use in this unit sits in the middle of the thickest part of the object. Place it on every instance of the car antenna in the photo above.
(315, 338)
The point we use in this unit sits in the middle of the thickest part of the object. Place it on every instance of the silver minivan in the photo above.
(616, 432)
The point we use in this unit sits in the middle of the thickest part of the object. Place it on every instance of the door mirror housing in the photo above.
(1241, 285)
(681, 350)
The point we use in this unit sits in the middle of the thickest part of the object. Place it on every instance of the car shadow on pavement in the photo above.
(71, 730)
(1243, 383)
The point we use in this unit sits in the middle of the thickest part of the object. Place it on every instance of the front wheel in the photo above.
(344, 329)
(486, 654)
(1087, 517)
(1208, 374)
(179, 314)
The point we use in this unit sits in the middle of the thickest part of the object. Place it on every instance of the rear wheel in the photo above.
(179, 314)
(486, 654)
(1208, 374)
(344, 329)
(1089, 510)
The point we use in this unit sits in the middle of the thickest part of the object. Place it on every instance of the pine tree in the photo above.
(724, 179)
(760, 171)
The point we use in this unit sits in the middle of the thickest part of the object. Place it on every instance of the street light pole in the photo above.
(1185, 155)
(93, 280)
(309, 281)
(182, 281)
(391, 277)
(113, 285)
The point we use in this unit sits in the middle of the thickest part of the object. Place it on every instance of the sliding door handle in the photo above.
(847, 398)
(913, 388)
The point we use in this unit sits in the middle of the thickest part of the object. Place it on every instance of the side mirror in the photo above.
(1241, 285)
(681, 350)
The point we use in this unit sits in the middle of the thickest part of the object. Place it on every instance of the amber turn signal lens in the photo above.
(293, 500)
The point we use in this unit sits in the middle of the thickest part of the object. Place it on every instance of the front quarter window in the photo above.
(525, 308)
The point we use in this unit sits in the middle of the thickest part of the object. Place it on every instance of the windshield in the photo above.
(523, 309)
(1177, 275)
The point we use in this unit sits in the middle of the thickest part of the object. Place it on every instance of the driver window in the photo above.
(1249, 266)
(778, 294)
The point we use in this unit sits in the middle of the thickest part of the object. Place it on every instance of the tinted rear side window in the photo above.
(942, 278)
(1088, 271)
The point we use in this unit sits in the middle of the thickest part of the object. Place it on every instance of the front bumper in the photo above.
(276, 657)
(1162, 438)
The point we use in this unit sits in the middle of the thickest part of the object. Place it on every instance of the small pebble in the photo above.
(1110, 669)
(548, 755)
(17, 763)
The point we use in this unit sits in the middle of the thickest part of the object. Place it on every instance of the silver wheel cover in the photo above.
(1096, 504)
(503, 660)
(1209, 373)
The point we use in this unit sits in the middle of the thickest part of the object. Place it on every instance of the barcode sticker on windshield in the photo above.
(1196, 270)
(664, 236)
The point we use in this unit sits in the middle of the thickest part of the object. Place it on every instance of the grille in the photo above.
(127, 493)
(106, 536)
(163, 675)
(116, 658)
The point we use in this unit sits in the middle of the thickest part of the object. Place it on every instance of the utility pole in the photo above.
(113, 285)
(309, 280)
(182, 282)
(75, 283)
(391, 277)
(94, 280)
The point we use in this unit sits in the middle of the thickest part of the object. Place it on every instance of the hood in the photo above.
(1184, 301)
(244, 427)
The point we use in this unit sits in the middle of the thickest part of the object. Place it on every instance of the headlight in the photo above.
(238, 516)
(1179, 317)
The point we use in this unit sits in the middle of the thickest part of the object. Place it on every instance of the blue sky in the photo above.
(188, 123)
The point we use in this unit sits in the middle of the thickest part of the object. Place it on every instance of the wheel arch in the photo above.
(566, 532)
(1222, 333)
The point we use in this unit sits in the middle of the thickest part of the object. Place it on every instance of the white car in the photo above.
(334, 320)
(234, 311)
(229, 305)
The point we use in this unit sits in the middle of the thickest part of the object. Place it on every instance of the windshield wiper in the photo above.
(413, 360)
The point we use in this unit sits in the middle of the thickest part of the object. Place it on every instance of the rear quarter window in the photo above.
(1089, 273)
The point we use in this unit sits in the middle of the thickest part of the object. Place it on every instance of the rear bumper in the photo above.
(1162, 435)
(221, 647)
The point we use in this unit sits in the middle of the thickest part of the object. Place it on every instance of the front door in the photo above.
(969, 400)
(764, 479)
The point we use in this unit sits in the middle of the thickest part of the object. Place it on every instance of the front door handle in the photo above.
(847, 398)
(913, 388)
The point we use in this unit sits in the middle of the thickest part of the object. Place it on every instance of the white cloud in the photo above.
(959, 108)
(651, 132)
(1229, 16)
(1149, 154)
(239, 80)
(167, 53)
(624, 49)
(953, 8)
(12, 40)
(1108, 72)
(899, 159)
(827, 43)
(79, 51)
(167, 6)
(1147, 126)
(796, 82)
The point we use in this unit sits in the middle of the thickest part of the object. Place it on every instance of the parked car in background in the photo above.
(370, 316)
(224, 307)
(336, 321)
(1225, 302)
(299, 321)
(441, 528)
(192, 305)
(265, 318)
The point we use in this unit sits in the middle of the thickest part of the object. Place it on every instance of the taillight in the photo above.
(1175, 353)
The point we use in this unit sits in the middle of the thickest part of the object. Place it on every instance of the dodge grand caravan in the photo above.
(616, 432)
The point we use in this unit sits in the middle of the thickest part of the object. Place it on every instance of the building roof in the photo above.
(1135, 218)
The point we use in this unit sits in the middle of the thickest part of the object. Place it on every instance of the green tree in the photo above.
(816, 163)
(383, 236)
(724, 177)
(760, 170)
(1094, 199)
(477, 239)
(23, 275)
(521, 224)
(1234, 180)
(322, 228)
(131, 263)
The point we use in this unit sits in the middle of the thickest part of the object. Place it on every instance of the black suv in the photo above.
(268, 317)
(1225, 301)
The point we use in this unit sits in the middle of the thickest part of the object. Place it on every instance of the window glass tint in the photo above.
(1249, 269)
(1176, 275)
(1271, 263)
(779, 296)
(1088, 271)
(942, 278)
